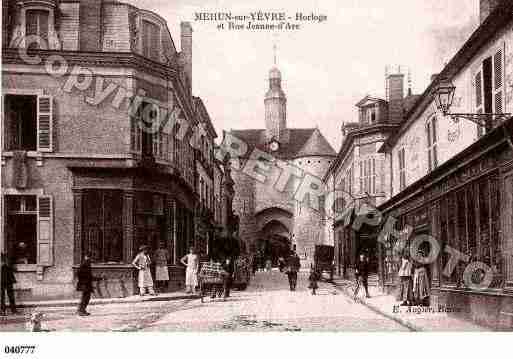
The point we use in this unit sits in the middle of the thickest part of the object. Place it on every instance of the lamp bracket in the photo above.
(481, 119)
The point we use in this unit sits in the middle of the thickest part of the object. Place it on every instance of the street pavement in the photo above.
(266, 305)
(269, 305)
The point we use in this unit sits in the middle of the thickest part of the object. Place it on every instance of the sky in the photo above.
(326, 67)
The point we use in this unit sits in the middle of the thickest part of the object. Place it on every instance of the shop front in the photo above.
(465, 205)
(116, 211)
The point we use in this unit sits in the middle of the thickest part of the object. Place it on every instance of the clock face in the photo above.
(274, 146)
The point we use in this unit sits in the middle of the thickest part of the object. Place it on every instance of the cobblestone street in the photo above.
(267, 305)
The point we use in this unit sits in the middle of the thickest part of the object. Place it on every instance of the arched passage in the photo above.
(274, 239)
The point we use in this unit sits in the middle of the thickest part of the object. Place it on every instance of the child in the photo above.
(313, 278)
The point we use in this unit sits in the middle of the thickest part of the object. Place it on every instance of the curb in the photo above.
(75, 302)
(377, 310)
(72, 303)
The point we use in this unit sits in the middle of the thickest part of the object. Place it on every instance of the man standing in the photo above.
(293, 265)
(362, 274)
(85, 285)
(229, 268)
(6, 285)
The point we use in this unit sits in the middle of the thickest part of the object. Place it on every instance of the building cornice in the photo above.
(111, 59)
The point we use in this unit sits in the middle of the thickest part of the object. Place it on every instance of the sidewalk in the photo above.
(415, 318)
(102, 301)
(53, 306)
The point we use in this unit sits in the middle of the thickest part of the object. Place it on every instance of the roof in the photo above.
(499, 18)
(368, 99)
(302, 142)
(349, 139)
(202, 111)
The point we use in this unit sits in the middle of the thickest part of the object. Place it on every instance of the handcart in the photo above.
(210, 279)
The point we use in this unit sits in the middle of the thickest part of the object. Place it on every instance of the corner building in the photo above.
(79, 175)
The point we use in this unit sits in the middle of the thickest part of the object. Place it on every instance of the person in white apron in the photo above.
(161, 257)
(142, 263)
(191, 261)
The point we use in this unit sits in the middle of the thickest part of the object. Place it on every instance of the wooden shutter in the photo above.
(498, 81)
(44, 230)
(477, 82)
(44, 123)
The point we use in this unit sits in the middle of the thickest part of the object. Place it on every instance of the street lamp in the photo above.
(443, 95)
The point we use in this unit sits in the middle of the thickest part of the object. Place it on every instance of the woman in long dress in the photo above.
(421, 289)
(142, 263)
(191, 261)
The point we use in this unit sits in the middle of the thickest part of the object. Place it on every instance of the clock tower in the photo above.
(275, 108)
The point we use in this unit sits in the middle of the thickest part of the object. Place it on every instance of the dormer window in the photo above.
(371, 113)
(37, 25)
(151, 40)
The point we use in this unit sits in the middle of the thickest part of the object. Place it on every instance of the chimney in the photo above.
(486, 7)
(90, 22)
(395, 97)
(186, 53)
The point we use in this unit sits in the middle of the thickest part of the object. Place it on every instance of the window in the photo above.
(21, 229)
(372, 115)
(21, 122)
(488, 83)
(145, 138)
(368, 175)
(402, 168)
(469, 225)
(431, 134)
(28, 229)
(103, 225)
(37, 24)
(28, 123)
(151, 40)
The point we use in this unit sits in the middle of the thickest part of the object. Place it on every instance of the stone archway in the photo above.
(275, 241)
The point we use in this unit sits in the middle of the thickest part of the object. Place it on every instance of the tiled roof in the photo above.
(301, 142)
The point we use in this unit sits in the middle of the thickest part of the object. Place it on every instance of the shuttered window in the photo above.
(28, 123)
(402, 169)
(498, 81)
(432, 143)
(44, 230)
(44, 123)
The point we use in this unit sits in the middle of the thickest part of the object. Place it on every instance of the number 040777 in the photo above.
(19, 349)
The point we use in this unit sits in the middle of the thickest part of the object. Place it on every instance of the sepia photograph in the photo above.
(232, 166)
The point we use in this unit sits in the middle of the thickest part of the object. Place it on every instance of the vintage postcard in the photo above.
(242, 166)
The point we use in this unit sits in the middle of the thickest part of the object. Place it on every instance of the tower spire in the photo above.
(275, 50)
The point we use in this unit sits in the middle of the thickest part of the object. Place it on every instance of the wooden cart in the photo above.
(210, 276)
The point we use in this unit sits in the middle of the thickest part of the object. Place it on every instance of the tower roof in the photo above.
(302, 142)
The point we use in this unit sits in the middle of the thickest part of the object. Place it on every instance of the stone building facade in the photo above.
(273, 217)
(87, 167)
(452, 179)
(361, 172)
